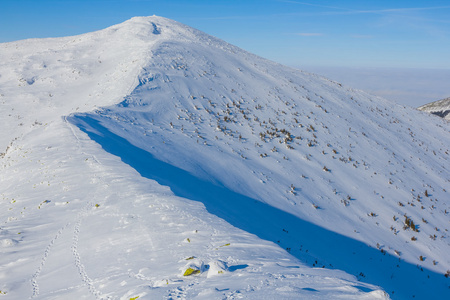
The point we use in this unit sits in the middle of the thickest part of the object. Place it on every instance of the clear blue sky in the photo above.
(412, 34)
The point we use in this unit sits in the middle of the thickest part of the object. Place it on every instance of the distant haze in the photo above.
(412, 87)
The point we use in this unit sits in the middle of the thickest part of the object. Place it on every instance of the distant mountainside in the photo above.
(440, 108)
(152, 160)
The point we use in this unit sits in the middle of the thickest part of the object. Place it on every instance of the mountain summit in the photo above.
(150, 159)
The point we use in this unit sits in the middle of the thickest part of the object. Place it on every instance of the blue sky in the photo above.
(407, 34)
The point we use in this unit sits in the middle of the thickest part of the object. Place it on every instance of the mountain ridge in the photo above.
(229, 110)
(216, 112)
(440, 108)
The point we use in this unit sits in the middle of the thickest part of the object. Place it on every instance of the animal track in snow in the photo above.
(34, 282)
(81, 268)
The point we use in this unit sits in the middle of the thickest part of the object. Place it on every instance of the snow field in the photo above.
(116, 142)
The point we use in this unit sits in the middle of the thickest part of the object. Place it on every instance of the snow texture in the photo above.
(150, 160)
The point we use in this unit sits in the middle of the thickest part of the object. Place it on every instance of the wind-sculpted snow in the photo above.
(325, 153)
(300, 176)
(317, 246)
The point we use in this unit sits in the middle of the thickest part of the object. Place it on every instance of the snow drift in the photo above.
(300, 176)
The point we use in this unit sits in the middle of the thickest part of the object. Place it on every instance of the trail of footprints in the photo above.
(81, 268)
(79, 265)
(34, 282)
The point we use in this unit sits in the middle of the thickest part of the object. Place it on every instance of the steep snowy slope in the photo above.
(79, 223)
(440, 108)
(350, 180)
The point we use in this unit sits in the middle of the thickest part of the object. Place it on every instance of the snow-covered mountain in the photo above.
(440, 108)
(135, 154)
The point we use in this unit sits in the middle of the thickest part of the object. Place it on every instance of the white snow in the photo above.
(134, 153)
(440, 108)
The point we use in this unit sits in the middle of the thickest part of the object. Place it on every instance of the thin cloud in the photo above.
(399, 9)
(236, 17)
(332, 10)
(361, 36)
(384, 11)
(311, 4)
(344, 10)
(222, 18)
(309, 34)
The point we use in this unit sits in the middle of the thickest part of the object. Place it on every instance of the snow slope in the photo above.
(276, 155)
(440, 108)
(79, 223)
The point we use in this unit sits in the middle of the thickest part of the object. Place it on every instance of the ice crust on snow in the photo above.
(133, 153)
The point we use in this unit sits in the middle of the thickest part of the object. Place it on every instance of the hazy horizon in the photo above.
(406, 86)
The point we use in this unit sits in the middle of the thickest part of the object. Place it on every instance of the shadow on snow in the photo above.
(312, 244)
